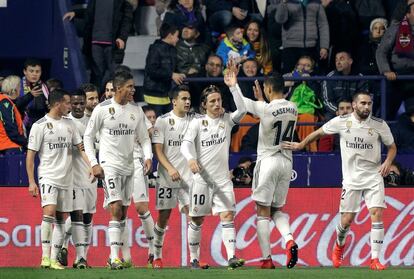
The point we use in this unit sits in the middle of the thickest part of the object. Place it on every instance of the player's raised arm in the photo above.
(230, 79)
(301, 145)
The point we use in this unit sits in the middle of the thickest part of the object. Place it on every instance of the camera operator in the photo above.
(399, 176)
(243, 173)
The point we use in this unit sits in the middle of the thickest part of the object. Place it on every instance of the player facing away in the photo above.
(119, 123)
(52, 137)
(212, 190)
(174, 174)
(273, 168)
(360, 139)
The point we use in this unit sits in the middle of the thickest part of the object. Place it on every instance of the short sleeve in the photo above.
(192, 131)
(385, 134)
(35, 138)
(76, 138)
(333, 126)
(158, 133)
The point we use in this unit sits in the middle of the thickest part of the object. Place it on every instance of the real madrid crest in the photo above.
(132, 116)
(204, 123)
(50, 127)
(171, 121)
(221, 126)
(348, 126)
(370, 131)
(112, 112)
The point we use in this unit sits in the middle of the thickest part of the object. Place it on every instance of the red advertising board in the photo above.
(313, 216)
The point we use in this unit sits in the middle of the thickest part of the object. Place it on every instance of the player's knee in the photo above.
(164, 216)
(87, 218)
(141, 207)
(76, 216)
(227, 216)
(376, 214)
(197, 220)
(347, 219)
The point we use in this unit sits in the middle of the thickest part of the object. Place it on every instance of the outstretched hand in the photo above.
(294, 146)
(258, 92)
(230, 78)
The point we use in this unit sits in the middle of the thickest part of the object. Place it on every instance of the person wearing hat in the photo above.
(404, 130)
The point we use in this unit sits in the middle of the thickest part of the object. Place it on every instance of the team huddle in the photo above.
(115, 142)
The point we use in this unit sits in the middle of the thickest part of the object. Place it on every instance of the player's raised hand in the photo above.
(385, 168)
(295, 146)
(98, 171)
(147, 166)
(33, 189)
(194, 166)
(233, 66)
(258, 92)
(230, 78)
(174, 174)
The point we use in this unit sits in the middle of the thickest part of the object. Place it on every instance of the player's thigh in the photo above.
(350, 200)
(265, 176)
(165, 197)
(200, 198)
(78, 199)
(90, 200)
(223, 198)
(140, 191)
(64, 200)
(127, 189)
(375, 196)
(48, 194)
(113, 188)
(183, 197)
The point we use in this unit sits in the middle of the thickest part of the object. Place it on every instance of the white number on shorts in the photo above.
(163, 191)
(200, 199)
(43, 188)
(111, 183)
(287, 134)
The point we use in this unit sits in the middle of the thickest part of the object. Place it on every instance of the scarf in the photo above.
(404, 43)
(190, 15)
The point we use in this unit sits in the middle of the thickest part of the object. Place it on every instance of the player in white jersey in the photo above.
(362, 172)
(52, 137)
(212, 190)
(78, 226)
(119, 123)
(273, 167)
(174, 174)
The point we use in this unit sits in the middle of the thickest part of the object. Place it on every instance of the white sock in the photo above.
(46, 234)
(263, 234)
(194, 237)
(341, 233)
(114, 232)
(88, 236)
(377, 238)
(228, 234)
(78, 236)
(125, 249)
(282, 224)
(68, 233)
(158, 241)
(57, 238)
(148, 225)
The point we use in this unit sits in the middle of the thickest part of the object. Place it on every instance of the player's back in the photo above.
(277, 124)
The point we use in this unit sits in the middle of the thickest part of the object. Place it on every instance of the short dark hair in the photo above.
(88, 87)
(343, 100)
(54, 83)
(276, 83)
(166, 29)
(56, 96)
(147, 108)
(356, 95)
(243, 160)
(31, 62)
(230, 30)
(121, 78)
(345, 51)
(122, 68)
(79, 92)
(175, 91)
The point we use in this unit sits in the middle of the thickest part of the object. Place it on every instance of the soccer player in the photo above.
(360, 135)
(52, 137)
(79, 225)
(92, 98)
(273, 168)
(212, 190)
(174, 174)
(119, 123)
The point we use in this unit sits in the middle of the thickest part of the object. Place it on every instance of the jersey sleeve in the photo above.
(255, 107)
(35, 138)
(158, 133)
(76, 139)
(142, 133)
(192, 131)
(333, 126)
(89, 138)
(385, 134)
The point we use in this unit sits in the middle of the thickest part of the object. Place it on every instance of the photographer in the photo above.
(243, 173)
(399, 176)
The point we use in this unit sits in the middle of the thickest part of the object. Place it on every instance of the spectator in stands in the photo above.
(395, 55)
(399, 176)
(235, 46)
(335, 90)
(343, 27)
(274, 32)
(36, 101)
(256, 36)
(329, 143)
(160, 69)
(150, 114)
(161, 9)
(367, 10)
(305, 67)
(92, 97)
(54, 83)
(12, 138)
(187, 13)
(222, 13)
(404, 130)
(191, 55)
(250, 68)
(107, 26)
(305, 31)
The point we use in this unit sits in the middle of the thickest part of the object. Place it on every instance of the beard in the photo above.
(362, 114)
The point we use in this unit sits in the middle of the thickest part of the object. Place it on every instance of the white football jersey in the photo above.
(169, 131)
(53, 140)
(277, 123)
(118, 127)
(211, 138)
(360, 143)
(80, 168)
(138, 152)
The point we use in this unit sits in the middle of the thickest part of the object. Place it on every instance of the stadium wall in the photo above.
(313, 215)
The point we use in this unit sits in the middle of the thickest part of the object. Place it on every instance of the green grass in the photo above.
(216, 273)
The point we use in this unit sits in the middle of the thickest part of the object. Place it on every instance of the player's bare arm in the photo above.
(30, 157)
(147, 166)
(386, 165)
(295, 146)
(172, 172)
(81, 149)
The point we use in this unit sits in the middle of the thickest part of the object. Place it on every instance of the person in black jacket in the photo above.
(404, 130)
(160, 69)
(222, 13)
(107, 25)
